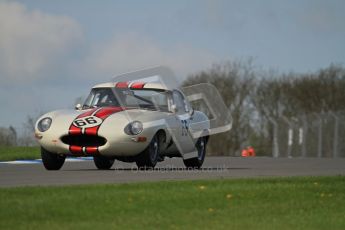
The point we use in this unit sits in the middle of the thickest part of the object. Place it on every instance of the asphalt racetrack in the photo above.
(171, 169)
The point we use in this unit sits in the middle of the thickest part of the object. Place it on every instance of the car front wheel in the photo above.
(197, 162)
(103, 162)
(149, 157)
(52, 161)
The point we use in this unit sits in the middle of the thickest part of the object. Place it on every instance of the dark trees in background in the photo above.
(320, 92)
(22, 136)
(8, 136)
(256, 98)
(27, 137)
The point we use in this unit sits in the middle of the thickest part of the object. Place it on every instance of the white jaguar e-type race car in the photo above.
(134, 121)
(138, 117)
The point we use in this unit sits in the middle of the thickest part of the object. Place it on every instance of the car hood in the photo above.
(63, 121)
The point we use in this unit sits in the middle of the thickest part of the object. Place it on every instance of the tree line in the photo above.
(255, 97)
(11, 137)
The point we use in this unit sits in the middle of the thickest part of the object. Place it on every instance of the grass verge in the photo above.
(284, 203)
(19, 153)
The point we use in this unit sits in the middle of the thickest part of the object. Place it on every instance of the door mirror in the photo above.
(173, 108)
(78, 106)
(191, 111)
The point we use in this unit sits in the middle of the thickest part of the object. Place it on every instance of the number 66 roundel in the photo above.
(87, 122)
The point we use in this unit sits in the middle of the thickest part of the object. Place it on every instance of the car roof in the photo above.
(135, 85)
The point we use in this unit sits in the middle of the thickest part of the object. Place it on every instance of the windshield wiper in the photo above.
(143, 99)
(149, 107)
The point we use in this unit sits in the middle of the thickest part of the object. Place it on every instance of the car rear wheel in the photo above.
(197, 162)
(52, 161)
(149, 157)
(103, 162)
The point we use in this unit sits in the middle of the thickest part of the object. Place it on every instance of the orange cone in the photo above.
(244, 153)
(251, 151)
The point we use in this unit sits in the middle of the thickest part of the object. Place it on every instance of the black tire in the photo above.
(150, 156)
(196, 163)
(103, 162)
(52, 161)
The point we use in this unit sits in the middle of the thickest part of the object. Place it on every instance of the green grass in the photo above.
(284, 203)
(19, 153)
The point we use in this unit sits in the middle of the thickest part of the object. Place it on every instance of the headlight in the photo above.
(44, 124)
(135, 127)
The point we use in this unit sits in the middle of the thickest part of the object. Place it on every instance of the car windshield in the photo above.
(144, 99)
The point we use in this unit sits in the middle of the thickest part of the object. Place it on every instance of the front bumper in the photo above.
(124, 145)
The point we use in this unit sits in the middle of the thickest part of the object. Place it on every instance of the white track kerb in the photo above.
(39, 161)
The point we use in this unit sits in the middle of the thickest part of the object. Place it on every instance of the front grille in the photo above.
(83, 140)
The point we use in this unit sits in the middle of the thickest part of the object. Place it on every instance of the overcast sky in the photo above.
(52, 52)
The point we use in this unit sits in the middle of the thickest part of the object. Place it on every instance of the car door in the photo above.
(182, 137)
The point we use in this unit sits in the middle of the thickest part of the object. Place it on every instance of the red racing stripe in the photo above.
(92, 131)
(88, 113)
(77, 150)
(102, 114)
(122, 85)
(92, 150)
(74, 130)
(106, 112)
(137, 85)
